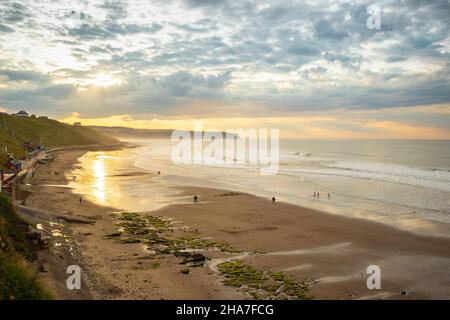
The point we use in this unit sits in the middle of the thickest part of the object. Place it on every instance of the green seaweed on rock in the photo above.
(262, 284)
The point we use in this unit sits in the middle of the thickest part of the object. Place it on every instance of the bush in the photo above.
(13, 231)
(16, 282)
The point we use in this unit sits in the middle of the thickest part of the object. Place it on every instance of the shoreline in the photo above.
(111, 269)
(327, 251)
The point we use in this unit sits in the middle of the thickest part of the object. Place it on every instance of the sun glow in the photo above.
(364, 124)
(104, 80)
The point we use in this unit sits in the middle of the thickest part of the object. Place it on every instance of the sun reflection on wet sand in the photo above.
(109, 178)
(127, 180)
(98, 187)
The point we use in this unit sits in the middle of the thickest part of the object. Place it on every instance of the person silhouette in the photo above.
(195, 198)
(273, 199)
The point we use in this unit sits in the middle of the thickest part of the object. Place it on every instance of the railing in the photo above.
(85, 146)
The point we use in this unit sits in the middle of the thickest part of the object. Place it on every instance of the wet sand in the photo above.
(113, 270)
(332, 252)
(328, 252)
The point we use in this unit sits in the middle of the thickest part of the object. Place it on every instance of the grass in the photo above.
(13, 231)
(17, 281)
(262, 284)
(14, 131)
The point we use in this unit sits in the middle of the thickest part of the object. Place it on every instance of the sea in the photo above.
(403, 183)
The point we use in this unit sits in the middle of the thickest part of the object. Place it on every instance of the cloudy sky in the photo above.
(311, 68)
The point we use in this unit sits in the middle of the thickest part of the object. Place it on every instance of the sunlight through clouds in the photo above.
(231, 59)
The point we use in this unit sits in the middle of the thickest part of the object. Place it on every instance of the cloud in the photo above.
(4, 28)
(304, 49)
(22, 75)
(41, 100)
(108, 30)
(323, 29)
(204, 3)
(13, 12)
(216, 57)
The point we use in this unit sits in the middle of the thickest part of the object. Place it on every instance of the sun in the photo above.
(104, 80)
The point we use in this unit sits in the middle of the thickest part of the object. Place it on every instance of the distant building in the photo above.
(77, 123)
(22, 113)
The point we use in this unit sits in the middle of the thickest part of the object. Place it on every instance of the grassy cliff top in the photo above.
(14, 131)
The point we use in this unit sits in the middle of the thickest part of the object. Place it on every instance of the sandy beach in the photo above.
(325, 253)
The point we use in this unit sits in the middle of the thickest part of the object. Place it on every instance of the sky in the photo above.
(313, 69)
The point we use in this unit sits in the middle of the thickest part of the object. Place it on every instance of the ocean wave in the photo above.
(435, 174)
(437, 178)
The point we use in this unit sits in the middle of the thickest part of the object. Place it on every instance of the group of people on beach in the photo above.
(317, 195)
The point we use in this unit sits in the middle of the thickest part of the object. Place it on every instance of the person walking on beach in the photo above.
(328, 195)
(81, 200)
(273, 199)
(195, 198)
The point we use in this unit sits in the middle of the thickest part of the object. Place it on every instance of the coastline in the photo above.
(109, 268)
(329, 252)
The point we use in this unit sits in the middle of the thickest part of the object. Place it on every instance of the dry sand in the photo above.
(329, 252)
